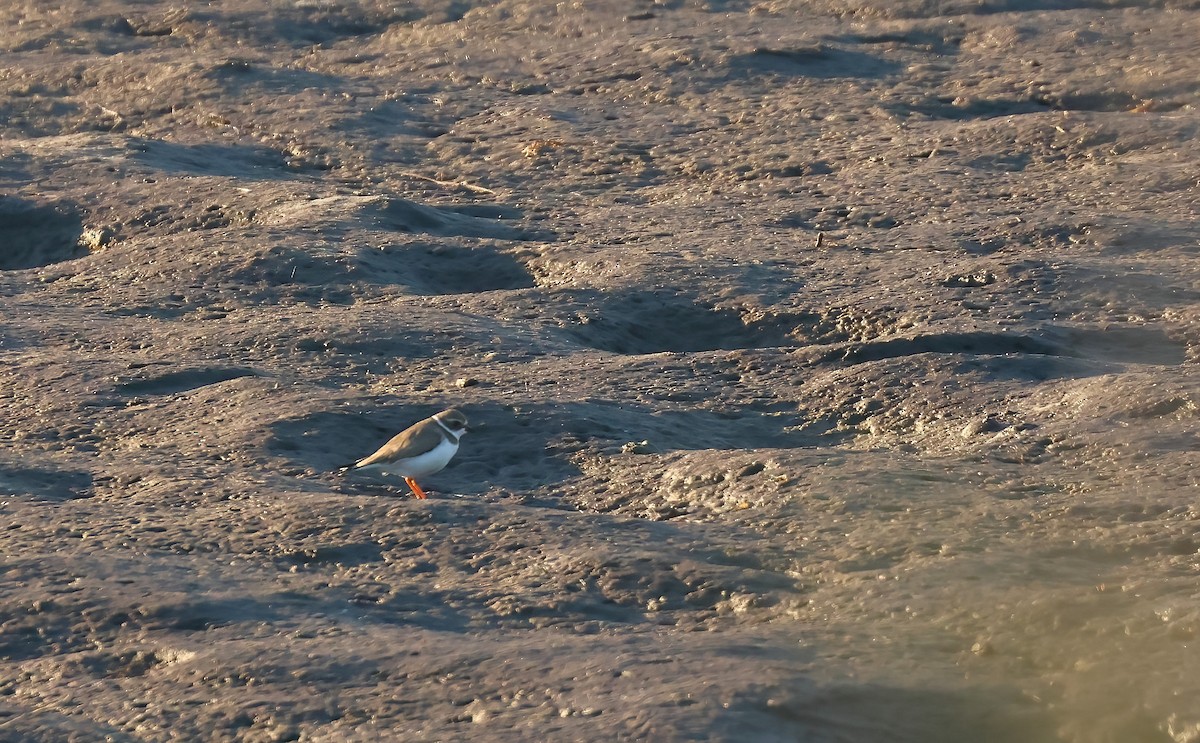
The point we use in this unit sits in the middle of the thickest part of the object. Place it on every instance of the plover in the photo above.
(421, 449)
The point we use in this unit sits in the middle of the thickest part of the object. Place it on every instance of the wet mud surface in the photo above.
(831, 370)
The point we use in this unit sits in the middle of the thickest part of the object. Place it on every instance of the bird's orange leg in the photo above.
(412, 484)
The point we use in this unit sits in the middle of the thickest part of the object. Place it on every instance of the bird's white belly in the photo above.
(431, 461)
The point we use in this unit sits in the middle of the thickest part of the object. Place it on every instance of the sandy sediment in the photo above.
(831, 369)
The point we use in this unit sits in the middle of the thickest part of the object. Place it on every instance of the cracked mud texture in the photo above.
(832, 367)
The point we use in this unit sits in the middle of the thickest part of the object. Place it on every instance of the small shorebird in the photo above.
(421, 449)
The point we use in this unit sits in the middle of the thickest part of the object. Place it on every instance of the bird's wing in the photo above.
(399, 442)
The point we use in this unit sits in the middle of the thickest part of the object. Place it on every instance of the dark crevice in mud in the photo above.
(1134, 345)
(646, 323)
(255, 162)
(48, 485)
(996, 7)
(945, 343)
(966, 109)
(1102, 101)
(959, 109)
(816, 61)
(445, 269)
(403, 215)
(183, 381)
(346, 555)
(34, 235)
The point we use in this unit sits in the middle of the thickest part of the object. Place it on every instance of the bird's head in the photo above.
(454, 421)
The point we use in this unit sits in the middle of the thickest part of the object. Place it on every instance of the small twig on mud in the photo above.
(105, 110)
(459, 184)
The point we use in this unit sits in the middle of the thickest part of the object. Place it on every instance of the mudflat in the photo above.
(831, 369)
